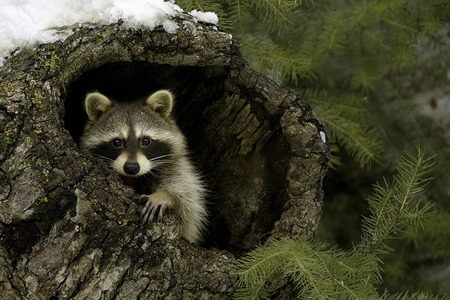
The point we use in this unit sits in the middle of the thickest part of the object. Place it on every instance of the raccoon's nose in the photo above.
(131, 168)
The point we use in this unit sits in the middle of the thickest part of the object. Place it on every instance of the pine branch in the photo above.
(259, 266)
(278, 61)
(435, 235)
(369, 36)
(317, 273)
(240, 11)
(275, 13)
(346, 121)
(397, 205)
(417, 246)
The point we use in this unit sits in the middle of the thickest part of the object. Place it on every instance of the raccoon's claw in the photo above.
(151, 211)
(156, 206)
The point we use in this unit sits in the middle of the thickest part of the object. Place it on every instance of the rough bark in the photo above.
(69, 227)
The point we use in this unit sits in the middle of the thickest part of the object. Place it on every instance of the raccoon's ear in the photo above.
(96, 104)
(161, 102)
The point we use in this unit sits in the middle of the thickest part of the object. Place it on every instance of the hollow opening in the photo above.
(124, 81)
(246, 183)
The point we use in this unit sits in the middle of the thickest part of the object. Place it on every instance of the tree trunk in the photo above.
(68, 225)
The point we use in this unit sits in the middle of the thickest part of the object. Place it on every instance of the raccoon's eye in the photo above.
(146, 141)
(117, 143)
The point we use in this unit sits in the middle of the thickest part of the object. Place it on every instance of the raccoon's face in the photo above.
(134, 154)
(135, 139)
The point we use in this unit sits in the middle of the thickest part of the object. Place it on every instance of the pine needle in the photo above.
(316, 272)
(397, 205)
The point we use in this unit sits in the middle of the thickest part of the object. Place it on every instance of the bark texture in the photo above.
(69, 227)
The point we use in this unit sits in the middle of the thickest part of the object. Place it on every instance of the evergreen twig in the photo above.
(347, 124)
(397, 204)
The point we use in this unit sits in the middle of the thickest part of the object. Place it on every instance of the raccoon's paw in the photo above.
(156, 205)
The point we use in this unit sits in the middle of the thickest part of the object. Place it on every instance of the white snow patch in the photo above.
(207, 17)
(170, 26)
(323, 136)
(24, 23)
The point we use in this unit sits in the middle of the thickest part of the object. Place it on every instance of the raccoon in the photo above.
(141, 142)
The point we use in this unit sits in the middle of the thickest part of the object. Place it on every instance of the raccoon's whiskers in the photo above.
(159, 160)
(152, 175)
(104, 158)
(161, 163)
(159, 157)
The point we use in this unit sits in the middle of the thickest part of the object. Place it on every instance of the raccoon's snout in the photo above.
(131, 168)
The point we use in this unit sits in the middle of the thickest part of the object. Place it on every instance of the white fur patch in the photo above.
(119, 162)
(144, 163)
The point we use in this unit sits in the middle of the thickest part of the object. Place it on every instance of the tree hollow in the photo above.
(261, 148)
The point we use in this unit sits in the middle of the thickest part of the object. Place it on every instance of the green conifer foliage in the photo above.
(318, 272)
(347, 121)
(397, 205)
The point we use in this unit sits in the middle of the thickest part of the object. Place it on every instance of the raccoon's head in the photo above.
(133, 138)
